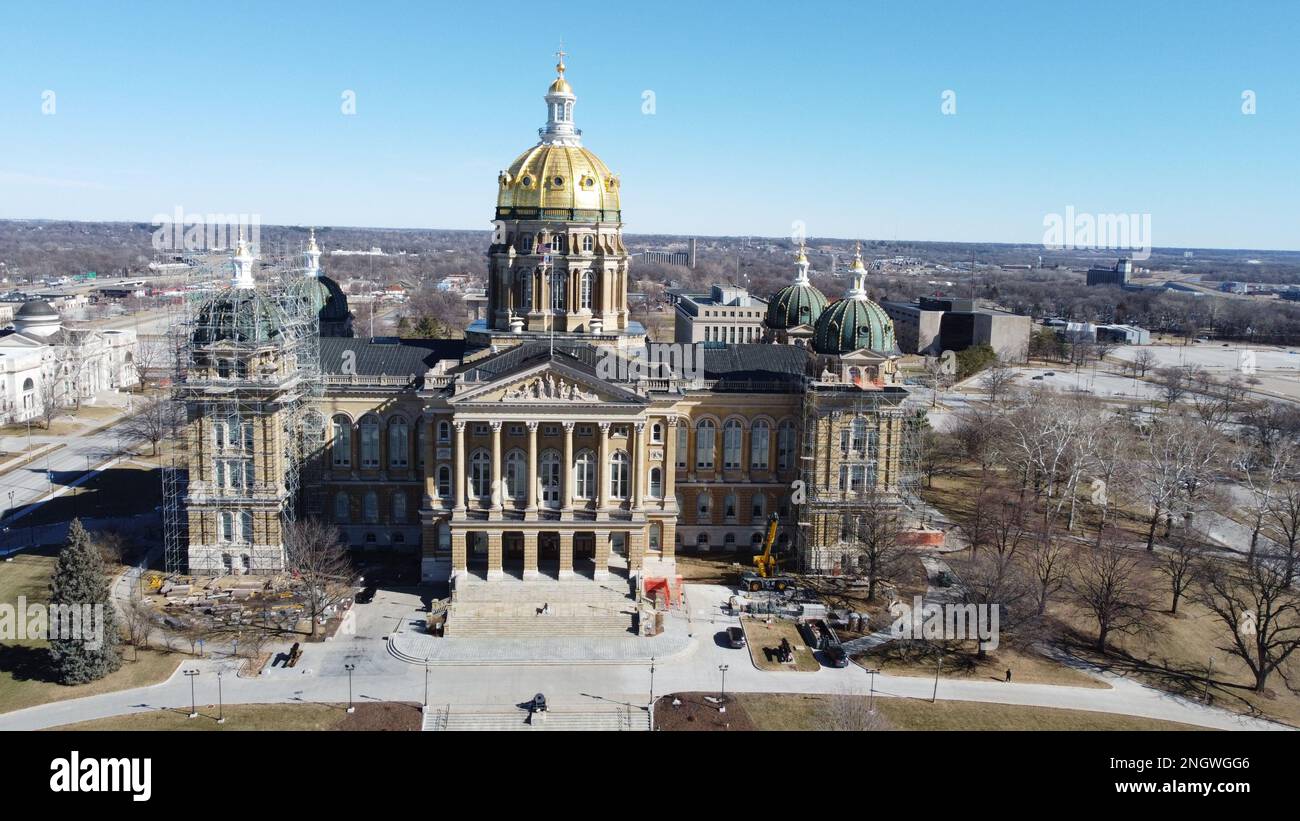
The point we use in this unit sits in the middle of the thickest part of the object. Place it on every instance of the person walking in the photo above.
(1008, 675)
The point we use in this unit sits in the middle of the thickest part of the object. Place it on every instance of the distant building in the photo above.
(1233, 287)
(1088, 331)
(1118, 274)
(932, 325)
(726, 314)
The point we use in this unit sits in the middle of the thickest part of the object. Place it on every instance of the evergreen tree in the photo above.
(80, 579)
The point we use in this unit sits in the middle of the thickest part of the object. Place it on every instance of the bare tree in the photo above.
(140, 621)
(1180, 564)
(318, 556)
(997, 378)
(50, 395)
(1109, 583)
(1257, 603)
(851, 712)
(876, 526)
(1048, 563)
(155, 420)
(1143, 361)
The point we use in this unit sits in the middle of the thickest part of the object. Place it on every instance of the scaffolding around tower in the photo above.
(860, 457)
(246, 369)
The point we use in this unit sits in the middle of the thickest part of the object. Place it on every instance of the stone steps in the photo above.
(454, 720)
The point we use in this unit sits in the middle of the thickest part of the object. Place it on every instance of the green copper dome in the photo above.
(795, 305)
(798, 303)
(852, 323)
(239, 315)
(326, 298)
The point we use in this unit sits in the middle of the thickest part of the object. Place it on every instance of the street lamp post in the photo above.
(194, 704)
(938, 668)
(722, 691)
(1209, 670)
(350, 668)
(871, 697)
(426, 683)
(221, 704)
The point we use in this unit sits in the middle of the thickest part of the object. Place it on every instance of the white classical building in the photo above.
(41, 360)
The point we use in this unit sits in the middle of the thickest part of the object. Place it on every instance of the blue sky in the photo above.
(765, 114)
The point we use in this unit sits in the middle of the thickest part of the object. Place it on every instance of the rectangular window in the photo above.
(683, 446)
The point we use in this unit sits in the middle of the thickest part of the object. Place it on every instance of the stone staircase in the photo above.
(509, 609)
(486, 719)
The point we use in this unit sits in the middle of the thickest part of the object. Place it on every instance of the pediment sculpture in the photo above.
(549, 388)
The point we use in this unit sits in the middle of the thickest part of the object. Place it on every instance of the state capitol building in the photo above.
(539, 445)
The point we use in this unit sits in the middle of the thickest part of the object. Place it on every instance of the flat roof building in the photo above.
(726, 314)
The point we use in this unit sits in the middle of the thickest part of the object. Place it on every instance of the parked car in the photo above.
(736, 637)
(835, 656)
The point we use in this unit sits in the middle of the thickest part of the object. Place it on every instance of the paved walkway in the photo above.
(379, 676)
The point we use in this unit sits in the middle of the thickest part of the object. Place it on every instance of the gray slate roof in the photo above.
(387, 357)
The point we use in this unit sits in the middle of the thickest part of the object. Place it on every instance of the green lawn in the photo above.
(24, 672)
(384, 716)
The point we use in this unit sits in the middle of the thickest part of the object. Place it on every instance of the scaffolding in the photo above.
(246, 374)
(860, 454)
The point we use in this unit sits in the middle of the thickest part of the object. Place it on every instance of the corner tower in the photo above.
(557, 262)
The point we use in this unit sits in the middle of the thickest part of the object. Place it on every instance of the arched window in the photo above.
(683, 445)
(584, 300)
(559, 287)
(559, 243)
(703, 505)
(704, 433)
(227, 526)
(526, 244)
(618, 474)
(702, 541)
(729, 507)
(421, 442)
(656, 535)
(584, 475)
(444, 482)
(549, 477)
(656, 483)
(758, 507)
(370, 441)
(759, 445)
(516, 469)
(785, 445)
(732, 437)
(444, 431)
(370, 507)
(399, 443)
(480, 473)
(342, 442)
(858, 442)
(342, 507)
(656, 433)
(588, 243)
(526, 289)
(399, 507)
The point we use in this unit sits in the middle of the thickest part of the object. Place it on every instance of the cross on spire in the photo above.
(559, 56)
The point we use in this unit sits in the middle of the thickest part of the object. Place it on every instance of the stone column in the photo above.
(498, 484)
(459, 558)
(428, 425)
(602, 554)
(566, 554)
(635, 551)
(638, 465)
(566, 472)
(460, 472)
(530, 555)
(602, 469)
(494, 570)
(670, 464)
(531, 511)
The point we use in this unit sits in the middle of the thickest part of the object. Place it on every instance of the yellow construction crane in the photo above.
(765, 563)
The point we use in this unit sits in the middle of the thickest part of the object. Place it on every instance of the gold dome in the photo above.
(549, 176)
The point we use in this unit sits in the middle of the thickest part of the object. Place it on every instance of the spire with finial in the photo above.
(312, 256)
(243, 263)
(801, 261)
(859, 289)
(559, 129)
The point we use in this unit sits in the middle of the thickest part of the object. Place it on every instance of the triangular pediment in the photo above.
(547, 383)
(864, 355)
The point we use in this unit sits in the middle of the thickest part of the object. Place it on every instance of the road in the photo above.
(56, 472)
(321, 677)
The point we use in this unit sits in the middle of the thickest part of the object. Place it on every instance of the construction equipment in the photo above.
(765, 576)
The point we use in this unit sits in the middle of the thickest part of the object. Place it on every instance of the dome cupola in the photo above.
(854, 322)
(798, 303)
